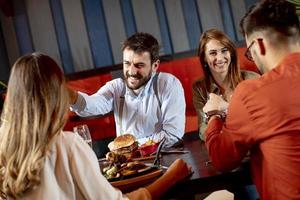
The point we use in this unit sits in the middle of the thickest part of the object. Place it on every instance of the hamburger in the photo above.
(124, 145)
(122, 149)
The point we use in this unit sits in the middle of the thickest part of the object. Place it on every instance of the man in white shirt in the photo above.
(146, 104)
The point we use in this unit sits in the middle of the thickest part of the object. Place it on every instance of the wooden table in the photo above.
(205, 177)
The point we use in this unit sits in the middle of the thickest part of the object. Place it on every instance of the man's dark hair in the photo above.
(143, 42)
(275, 15)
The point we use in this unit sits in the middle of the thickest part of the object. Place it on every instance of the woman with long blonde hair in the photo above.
(35, 97)
(38, 160)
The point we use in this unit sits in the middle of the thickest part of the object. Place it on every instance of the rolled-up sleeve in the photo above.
(234, 138)
(97, 104)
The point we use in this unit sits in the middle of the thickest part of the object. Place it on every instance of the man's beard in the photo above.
(142, 80)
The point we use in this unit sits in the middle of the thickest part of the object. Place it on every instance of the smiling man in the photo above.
(145, 103)
(264, 114)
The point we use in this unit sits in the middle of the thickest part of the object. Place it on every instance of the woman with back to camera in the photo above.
(38, 160)
(219, 60)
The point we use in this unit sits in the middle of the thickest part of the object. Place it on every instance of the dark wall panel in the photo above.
(86, 34)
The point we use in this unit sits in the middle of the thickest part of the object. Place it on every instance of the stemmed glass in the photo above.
(84, 132)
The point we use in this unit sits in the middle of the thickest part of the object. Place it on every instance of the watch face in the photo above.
(205, 117)
(217, 113)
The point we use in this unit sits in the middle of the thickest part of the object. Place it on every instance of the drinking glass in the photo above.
(84, 132)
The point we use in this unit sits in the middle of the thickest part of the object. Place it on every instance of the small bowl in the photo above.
(147, 150)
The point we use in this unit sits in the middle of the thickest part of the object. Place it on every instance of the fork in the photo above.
(156, 161)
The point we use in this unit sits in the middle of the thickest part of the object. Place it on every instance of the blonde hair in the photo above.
(34, 111)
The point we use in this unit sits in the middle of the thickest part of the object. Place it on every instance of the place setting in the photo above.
(128, 166)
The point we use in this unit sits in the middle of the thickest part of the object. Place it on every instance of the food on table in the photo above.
(148, 148)
(149, 142)
(122, 149)
(125, 145)
(125, 169)
(112, 157)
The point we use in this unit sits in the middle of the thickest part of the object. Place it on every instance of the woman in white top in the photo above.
(40, 161)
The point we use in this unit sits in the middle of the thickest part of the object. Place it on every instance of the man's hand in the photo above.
(215, 102)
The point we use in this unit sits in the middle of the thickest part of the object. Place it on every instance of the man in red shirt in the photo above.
(263, 117)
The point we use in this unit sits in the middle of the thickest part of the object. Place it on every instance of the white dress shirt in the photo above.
(142, 114)
(71, 171)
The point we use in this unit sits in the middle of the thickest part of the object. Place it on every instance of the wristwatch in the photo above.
(217, 113)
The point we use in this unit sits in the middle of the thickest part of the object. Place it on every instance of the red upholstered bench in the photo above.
(244, 62)
(187, 70)
(100, 126)
(91, 84)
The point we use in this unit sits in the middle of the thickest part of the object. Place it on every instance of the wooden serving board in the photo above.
(137, 181)
(144, 158)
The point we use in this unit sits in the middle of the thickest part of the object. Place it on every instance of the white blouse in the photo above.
(72, 171)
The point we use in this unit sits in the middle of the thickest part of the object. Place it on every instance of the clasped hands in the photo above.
(215, 105)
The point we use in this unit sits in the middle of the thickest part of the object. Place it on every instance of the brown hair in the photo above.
(276, 16)
(34, 111)
(143, 42)
(233, 75)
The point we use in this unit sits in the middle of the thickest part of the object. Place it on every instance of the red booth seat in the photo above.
(187, 70)
(91, 84)
(100, 126)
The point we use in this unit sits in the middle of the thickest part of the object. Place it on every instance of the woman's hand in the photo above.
(176, 172)
(179, 170)
(215, 102)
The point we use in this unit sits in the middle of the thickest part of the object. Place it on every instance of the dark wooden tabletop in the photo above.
(205, 177)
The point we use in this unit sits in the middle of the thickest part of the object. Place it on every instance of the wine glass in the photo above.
(84, 132)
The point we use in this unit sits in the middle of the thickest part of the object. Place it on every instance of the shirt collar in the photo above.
(214, 88)
(143, 90)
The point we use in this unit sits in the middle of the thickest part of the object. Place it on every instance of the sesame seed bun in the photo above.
(122, 141)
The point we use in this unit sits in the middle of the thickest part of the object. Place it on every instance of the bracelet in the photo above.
(217, 113)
